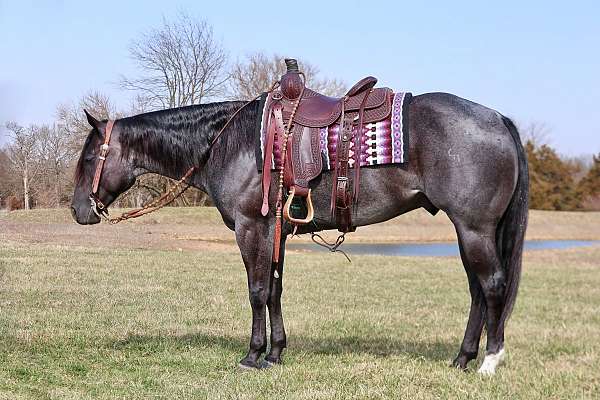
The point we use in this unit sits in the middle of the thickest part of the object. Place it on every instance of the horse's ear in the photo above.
(92, 121)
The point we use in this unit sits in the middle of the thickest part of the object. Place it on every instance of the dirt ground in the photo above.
(133, 236)
(202, 229)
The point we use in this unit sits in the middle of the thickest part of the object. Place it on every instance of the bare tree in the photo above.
(140, 104)
(22, 153)
(258, 71)
(181, 63)
(57, 154)
(72, 120)
(6, 184)
(537, 133)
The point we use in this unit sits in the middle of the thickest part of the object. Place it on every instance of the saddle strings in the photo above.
(332, 247)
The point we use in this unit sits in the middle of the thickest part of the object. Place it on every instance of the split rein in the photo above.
(164, 200)
(98, 207)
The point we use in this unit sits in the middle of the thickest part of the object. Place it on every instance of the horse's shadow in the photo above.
(378, 346)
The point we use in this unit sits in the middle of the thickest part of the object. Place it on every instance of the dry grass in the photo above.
(154, 322)
(199, 228)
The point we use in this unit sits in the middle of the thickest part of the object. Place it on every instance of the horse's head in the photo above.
(116, 174)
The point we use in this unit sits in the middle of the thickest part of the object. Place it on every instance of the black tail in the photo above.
(510, 235)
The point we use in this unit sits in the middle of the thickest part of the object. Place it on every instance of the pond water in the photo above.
(434, 249)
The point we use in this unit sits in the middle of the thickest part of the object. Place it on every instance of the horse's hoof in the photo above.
(491, 361)
(246, 366)
(460, 363)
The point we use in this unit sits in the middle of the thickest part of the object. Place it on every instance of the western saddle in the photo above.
(295, 117)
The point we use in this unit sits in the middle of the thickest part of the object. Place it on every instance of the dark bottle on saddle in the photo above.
(291, 83)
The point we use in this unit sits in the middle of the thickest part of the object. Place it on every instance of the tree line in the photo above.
(563, 184)
(182, 63)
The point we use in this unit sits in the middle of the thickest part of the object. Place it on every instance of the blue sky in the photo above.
(535, 61)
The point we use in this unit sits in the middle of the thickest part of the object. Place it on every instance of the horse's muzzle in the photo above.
(84, 215)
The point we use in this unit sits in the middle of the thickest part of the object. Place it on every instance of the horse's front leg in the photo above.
(278, 337)
(254, 239)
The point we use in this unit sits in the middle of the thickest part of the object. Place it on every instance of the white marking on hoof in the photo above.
(491, 361)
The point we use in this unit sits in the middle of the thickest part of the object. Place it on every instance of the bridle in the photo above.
(101, 210)
(97, 205)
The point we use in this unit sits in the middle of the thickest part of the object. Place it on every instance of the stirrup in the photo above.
(288, 204)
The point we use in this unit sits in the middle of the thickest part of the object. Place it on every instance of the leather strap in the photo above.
(336, 168)
(102, 156)
(275, 127)
(343, 200)
(277, 240)
(357, 147)
(279, 203)
(340, 199)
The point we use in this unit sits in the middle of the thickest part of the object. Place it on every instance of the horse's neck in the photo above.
(160, 146)
(164, 150)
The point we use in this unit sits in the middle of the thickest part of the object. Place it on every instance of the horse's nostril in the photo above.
(74, 213)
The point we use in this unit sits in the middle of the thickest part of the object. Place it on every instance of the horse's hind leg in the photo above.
(278, 337)
(470, 344)
(480, 258)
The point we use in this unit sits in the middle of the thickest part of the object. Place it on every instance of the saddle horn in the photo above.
(292, 65)
(292, 81)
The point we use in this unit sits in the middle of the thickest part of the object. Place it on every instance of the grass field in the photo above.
(159, 309)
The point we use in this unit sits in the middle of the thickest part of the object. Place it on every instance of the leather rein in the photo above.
(101, 210)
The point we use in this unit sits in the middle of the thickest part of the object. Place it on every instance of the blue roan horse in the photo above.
(464, 159)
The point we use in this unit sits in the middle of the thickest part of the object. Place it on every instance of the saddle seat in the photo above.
(319, 111)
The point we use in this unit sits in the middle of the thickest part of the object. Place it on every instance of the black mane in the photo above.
(180, 137)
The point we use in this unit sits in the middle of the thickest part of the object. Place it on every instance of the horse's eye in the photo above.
(90, 157)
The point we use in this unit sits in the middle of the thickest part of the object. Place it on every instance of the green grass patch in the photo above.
(138, 324)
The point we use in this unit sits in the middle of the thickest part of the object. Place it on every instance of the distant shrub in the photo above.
(14, 203)
(552, 180)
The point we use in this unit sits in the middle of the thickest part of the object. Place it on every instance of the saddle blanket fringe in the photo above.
(383, 142)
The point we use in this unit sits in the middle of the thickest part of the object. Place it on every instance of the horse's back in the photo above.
(445, 114)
